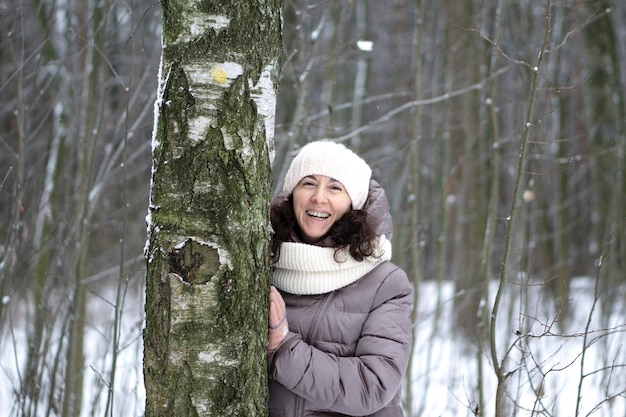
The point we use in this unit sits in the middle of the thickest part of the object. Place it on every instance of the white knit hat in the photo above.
(332, 160)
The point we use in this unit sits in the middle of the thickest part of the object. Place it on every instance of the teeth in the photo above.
(317, 214)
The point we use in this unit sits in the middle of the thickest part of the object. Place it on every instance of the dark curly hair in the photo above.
(354, 230)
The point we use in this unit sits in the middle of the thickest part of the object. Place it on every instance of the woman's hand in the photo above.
(278, 327)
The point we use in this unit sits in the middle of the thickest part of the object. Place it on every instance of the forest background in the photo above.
(467, 111)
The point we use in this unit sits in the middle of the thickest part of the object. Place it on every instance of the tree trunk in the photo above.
(208, 252)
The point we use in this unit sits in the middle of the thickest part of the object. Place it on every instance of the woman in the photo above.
(340, 328)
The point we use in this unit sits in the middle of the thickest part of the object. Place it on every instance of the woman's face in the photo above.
(318, 202)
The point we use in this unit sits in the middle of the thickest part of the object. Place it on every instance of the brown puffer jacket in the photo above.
(347, 350)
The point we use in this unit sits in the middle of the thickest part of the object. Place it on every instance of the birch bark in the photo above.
(208, 223)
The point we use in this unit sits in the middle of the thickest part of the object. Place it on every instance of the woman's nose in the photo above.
(319, 196)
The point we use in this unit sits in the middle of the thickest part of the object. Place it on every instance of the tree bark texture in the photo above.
(208, 222)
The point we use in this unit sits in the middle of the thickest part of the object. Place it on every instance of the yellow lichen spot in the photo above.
(220, 75)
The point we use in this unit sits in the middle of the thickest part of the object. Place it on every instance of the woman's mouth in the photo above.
(317, 214)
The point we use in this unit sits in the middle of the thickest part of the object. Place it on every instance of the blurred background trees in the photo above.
(77, 81)
(433, 94)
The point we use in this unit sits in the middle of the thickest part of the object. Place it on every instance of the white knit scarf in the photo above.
(305, 269)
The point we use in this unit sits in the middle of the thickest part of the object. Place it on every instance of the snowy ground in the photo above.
(546, 363)
(445, 379)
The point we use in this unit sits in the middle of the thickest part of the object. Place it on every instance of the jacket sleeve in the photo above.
(366, 382)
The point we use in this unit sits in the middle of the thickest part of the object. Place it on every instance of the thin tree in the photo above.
(499, 364)
(208, 258)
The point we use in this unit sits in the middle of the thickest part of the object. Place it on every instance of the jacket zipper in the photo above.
(299, 406)
(315, 327)
(309, 337)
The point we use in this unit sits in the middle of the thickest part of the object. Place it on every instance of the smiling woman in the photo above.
(339, 321)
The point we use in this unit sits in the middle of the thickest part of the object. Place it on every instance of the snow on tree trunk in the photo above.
(208, 222)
